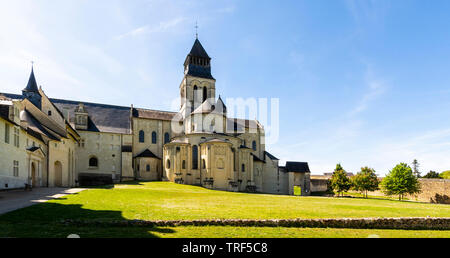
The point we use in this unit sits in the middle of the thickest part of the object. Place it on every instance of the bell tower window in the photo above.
(205, 94)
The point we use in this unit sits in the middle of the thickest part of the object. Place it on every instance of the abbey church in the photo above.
(47, 142)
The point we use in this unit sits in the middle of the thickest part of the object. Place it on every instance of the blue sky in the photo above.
(359, 82)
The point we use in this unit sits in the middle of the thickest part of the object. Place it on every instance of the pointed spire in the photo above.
(198, 50)
(32, 84)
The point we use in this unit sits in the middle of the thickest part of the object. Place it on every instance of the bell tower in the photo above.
(198, 84)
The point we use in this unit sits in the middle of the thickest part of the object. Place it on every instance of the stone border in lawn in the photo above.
(355, 223)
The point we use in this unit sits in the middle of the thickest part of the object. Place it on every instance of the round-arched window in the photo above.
(195, 157)
(168, 163)
(93, 162)
(254, 145)
(148, 168)
(141, 136)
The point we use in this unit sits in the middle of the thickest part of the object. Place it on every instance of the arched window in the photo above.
(154, 136)
(183, 166)
(141, 136)
(93, 162)
(195, 157)
(204, 164)
(168, 163)
(254, 145)
(243, 167)
(148, 168)
(166, 138)
(195, 94)
(205, 94)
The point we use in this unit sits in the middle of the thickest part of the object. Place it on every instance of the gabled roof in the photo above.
(272, 157)
(147, 154)
(4, 112)
(35, 127)
(198, 50)
(210, 107)
(301, 167)
(102, 118)
(257, 159)
(32, 84)
(153, 114)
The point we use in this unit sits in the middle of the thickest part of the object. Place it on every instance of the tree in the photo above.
(340, 182)
(365, 181)
(432, 174)
(400, 181)
(416, 166)
(445, 174)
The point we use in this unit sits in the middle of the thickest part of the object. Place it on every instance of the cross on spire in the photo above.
(196, 30)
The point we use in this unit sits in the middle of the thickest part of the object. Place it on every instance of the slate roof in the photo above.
(32, 84)
(147, 154)
(257, 159)
(153, 114)
(4, 112)
(102, 118)
(272, 157)
(33, 149)
(198, 50)
(301, 167)
(199, 71)
(195, 69)
(35, 127)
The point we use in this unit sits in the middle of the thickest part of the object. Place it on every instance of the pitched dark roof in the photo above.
(32, 84)
(35, 127)
(33, 149)
(198, 50)
(147, 154)
(153, 114)
(102, 118)
(200, 71)
(255, 158)
(301, 167)
(272, 157)
(4, 112)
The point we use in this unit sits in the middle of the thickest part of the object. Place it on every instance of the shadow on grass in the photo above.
(52, 220)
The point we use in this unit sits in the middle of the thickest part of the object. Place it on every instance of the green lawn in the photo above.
(167, 201)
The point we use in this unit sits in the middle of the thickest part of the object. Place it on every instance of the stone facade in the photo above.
(198, 145)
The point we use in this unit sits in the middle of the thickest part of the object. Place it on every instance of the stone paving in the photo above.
(18, 199)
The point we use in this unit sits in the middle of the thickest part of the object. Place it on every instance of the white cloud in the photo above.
(149, 29)
(376, 87)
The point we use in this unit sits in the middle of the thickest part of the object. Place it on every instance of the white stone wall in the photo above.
(106, 147)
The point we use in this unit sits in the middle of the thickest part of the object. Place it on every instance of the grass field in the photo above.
(167, 201)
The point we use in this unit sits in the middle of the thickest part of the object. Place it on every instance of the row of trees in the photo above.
(400, 181)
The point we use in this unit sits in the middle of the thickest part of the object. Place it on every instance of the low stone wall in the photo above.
(356, 223)
(319, 185)
(433, 191)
